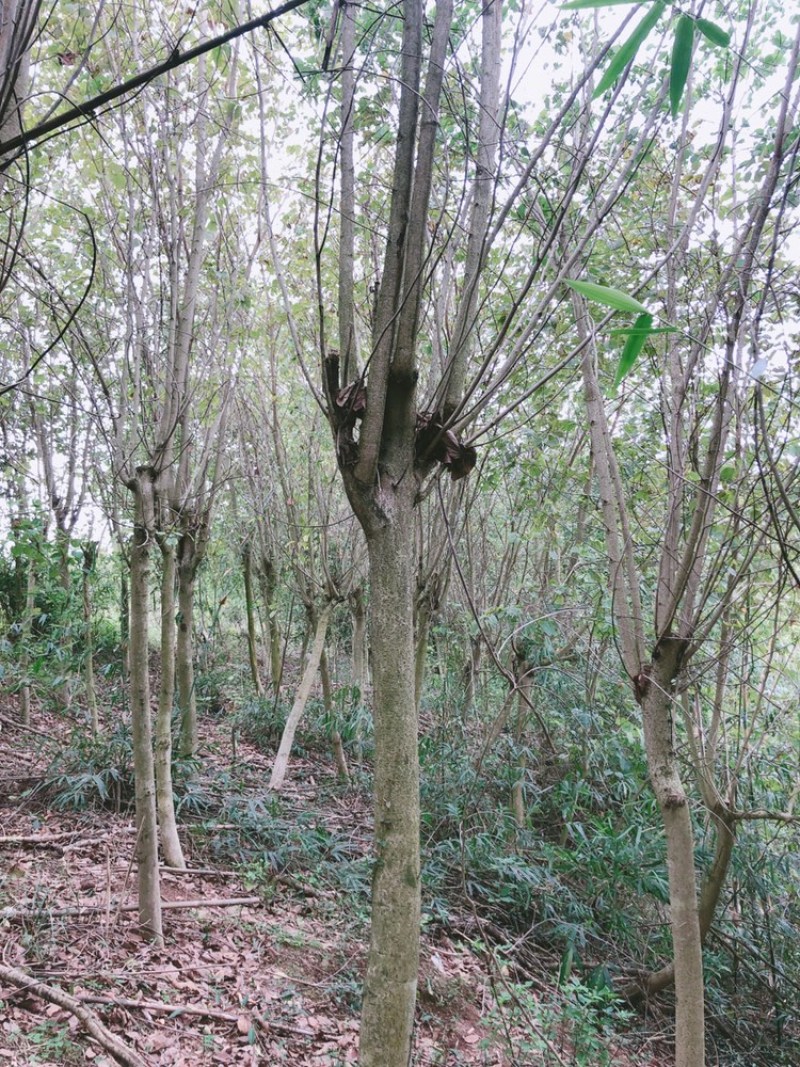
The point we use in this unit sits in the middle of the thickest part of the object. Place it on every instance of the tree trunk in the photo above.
(421, 647)
(657, 709)
(710, 893)
(267, 581)
(89, 559)
(300, 701)
(359, 667)
(336, 737)
(124, 622)
(146, 826)
(252, 653)
(390, 985)
(187, 697)
(471, 668)
(359, 675)
(64, 687)
(170, 842)
(24, 639)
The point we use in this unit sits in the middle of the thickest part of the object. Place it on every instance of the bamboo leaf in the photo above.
(626, 331)
(604, 294)
(627, 51)
(633, 346)
(714, 33)
(681, 61)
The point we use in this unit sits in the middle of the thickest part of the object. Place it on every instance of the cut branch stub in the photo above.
(351, 403)
(436, 444)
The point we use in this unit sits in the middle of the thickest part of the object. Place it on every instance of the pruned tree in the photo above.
(388, 441)
(705, 547)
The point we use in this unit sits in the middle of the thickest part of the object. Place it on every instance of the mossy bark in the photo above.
(391, 980)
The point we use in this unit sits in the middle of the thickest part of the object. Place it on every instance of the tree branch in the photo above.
(86, 111)
(91, 1022)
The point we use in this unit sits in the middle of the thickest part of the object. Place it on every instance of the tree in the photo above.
(701, 560)
(388, 443)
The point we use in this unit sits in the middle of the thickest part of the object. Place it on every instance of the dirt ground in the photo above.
(244, 978)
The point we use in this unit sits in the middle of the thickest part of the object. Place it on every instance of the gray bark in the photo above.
(168, 827)
(391, 980)
(146, 825)
(250, 611)
(300, 700)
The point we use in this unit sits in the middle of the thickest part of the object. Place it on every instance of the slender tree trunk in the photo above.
(421, 647)
(89, 560)
(300, 701)
(187, 696)
(168, 827)
(146, 825)
(390, 985)
(124, 622)
(710, 893)
(359, 664)
(471, 668)
(252, 653)
(267, 580)
(64, 687)
(336, 737)
(24, 639)
(359, 612)
(524, 677)
(657, 710)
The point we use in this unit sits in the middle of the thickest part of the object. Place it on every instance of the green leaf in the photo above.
(604, 294)
(727, 474)
(633, 346)
(714, 33)
(681, 61)
(627, 51)
(626, 331)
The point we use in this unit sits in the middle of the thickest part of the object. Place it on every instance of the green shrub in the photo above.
(92, 772)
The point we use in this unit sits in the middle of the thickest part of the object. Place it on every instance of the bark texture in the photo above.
(168, 827)
(391, 981)
(657, 710)
(146, 825)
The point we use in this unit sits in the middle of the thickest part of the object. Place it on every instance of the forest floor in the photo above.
(251, 977)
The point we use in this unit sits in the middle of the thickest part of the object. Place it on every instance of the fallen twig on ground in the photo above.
(12, 913)
(196, 1009)
(112, 1044)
